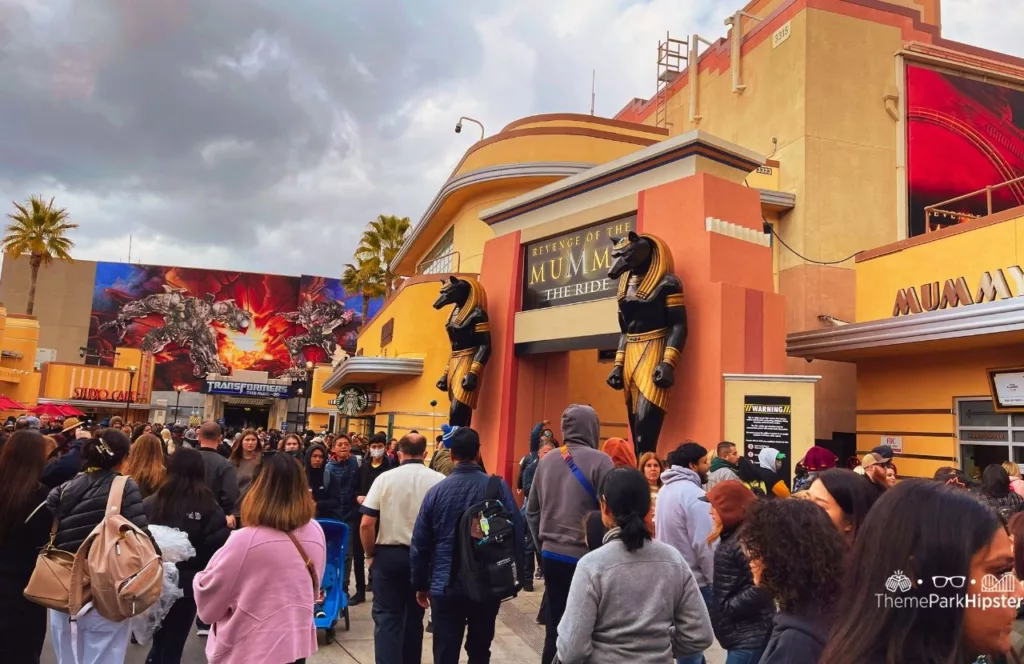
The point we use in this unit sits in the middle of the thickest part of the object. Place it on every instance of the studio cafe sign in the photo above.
(991, 286)
(114, 396)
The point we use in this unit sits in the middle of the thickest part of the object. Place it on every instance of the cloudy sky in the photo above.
(262, 135)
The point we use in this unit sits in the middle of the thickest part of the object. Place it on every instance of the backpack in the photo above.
(758, 488)
(485, 564)
(117, 566)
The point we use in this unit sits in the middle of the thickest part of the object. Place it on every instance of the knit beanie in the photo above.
(731, 499)
(447, 431)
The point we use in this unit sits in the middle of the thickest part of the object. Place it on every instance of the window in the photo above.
(439, 259)
(987, 437)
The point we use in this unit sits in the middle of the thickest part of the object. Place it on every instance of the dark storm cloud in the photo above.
(211, 105)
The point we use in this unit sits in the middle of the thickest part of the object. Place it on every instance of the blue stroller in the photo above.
(335, 601)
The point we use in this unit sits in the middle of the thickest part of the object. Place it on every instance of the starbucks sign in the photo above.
(352, 400)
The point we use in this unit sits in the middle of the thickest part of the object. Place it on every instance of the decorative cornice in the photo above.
(779, 201)
(968, 321)
(691, 144)
(395, 366)
(733, 230)
(771, 378)
(558, 169)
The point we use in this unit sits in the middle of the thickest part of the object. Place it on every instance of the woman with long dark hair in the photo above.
(930, 581)
(24, 528)
(610, 615)
(258, 591)
(796, 554)
(846, 497)
(185, 502)
(996, 493)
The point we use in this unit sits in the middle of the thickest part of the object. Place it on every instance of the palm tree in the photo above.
(366, 278)
(383, 239)
(39, 230)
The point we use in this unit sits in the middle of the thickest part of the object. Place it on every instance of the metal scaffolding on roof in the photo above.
(672, 57)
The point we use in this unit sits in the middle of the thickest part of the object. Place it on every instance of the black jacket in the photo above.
(328, 502)
(222, 479)
(367, 473)
(741, 613)
(207, 530)
(64, 467)
(79, 506)
(796, 639)
(19, 549)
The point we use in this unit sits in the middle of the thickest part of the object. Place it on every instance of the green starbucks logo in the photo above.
(352, 400)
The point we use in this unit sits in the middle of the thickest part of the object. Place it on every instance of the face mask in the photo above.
(376, 454)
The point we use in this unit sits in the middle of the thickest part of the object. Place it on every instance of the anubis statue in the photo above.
(652, 322)
(469, 332)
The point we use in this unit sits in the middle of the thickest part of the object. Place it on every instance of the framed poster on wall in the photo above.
(1007, 386)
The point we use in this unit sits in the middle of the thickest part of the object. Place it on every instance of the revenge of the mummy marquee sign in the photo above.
(572, 267)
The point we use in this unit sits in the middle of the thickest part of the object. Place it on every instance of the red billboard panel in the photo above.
(962, 136)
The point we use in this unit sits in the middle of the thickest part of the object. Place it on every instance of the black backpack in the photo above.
(485, 566)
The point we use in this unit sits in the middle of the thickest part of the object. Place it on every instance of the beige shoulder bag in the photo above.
(50, 583)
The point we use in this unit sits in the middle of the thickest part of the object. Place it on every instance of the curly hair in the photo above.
(800, 552)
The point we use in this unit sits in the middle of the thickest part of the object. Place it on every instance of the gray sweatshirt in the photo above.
(612, 615)
(558, 502)
(683, 521)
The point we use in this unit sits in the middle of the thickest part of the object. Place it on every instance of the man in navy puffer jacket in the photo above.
(434, 541)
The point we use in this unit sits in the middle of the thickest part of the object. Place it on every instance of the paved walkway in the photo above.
(518, 639)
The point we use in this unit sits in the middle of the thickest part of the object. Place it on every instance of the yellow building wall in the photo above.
(899, 396)
(801, 396)
(551, 147)
(418, 332)
(587, 385)
(21, 335)
(470, 233)
(979, 250)
(63, 379)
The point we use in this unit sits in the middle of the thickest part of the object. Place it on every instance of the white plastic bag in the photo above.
(175, 548)
(173, 543)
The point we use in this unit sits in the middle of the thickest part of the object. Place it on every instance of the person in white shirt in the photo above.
(389, 514)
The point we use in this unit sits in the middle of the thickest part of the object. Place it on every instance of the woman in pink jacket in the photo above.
(258, 590)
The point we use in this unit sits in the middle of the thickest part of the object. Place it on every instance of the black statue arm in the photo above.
(615, 380)
(675, 319)
(482, 333)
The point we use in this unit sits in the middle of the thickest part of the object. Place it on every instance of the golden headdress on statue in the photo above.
(661, 264)
(477, 300)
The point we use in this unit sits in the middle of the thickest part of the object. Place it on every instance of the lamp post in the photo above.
(308, 375)
(433, 422)
(300, 392)
(128, 396)
(177, 403)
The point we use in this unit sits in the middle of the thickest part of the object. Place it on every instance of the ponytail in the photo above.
(632, 531)
(627, 495)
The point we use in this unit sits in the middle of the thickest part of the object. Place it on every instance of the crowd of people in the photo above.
(246, 501)
(643, 560)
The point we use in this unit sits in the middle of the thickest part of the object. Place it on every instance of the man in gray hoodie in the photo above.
(683, 521)
(565, 488)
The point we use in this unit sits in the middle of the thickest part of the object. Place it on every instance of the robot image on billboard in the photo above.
(469, 332)
(187, 322)
(320, 320)
(652, 322)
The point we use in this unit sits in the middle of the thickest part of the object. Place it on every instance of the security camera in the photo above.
(458, 127)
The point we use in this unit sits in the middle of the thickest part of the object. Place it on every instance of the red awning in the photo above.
(7, 403)
(70, 411)
(49, 409)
